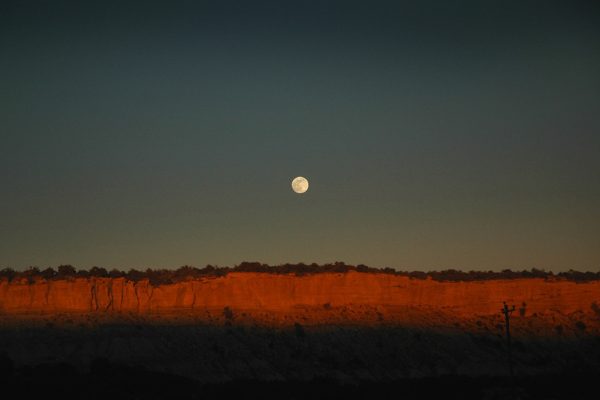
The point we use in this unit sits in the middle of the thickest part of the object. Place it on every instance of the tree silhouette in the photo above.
(66, 271)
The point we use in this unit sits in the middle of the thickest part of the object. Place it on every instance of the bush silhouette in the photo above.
(115, 273)
(31, 274)
(8, 273)
(523, 309)
(65, 271)
(99, 272)
(48, 273)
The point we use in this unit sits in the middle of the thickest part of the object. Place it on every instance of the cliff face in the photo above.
(263, 293)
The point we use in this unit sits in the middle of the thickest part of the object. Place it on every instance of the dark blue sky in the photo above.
(434, 134)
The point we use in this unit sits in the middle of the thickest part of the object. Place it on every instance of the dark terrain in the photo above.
(344, 350)
(183, 361)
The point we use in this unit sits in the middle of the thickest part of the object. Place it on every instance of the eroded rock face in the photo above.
(262, 294)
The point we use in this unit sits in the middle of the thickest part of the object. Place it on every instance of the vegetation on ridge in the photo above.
(166, 276)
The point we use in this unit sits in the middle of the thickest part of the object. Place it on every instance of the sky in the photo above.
(433, 134)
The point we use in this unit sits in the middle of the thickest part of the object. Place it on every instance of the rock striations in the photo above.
(269, 297)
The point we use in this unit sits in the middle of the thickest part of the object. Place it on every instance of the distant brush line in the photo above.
(166, 276)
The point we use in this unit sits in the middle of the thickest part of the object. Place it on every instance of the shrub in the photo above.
(523, 309)
(98, 272)
(48, 273)
(596, 308)
(135, 275)
(8, 273)
(65, 271)
(115, 273)
(580, 325)
(83, 273)
(228, 313)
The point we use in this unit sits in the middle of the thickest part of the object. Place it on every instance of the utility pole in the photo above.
(507, 312)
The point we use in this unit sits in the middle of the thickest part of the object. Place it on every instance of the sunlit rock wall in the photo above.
(264, 292)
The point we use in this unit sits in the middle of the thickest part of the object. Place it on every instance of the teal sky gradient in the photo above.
(433, 136)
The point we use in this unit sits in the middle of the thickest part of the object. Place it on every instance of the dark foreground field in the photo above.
(142, 360)
(104, 380)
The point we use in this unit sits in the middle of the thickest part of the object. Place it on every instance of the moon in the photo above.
(300, 184)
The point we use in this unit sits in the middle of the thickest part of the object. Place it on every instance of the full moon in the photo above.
(300, 184)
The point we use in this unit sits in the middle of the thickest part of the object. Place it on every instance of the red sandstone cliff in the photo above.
(256, 293)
